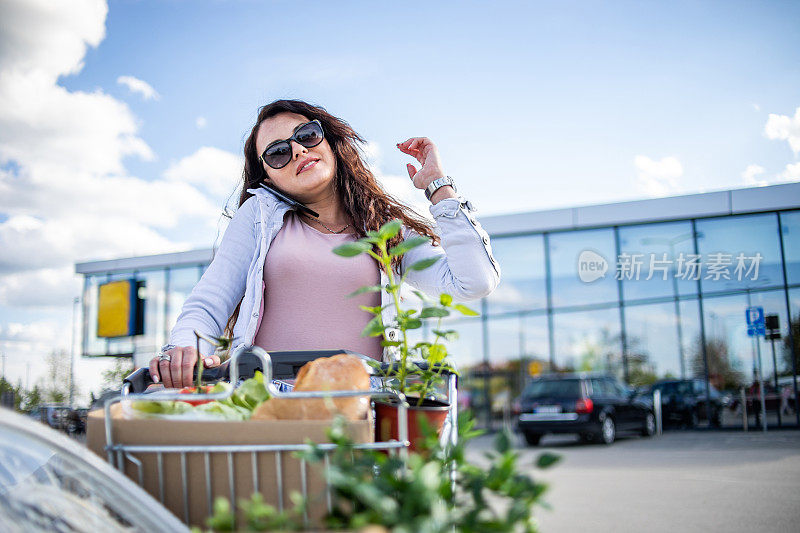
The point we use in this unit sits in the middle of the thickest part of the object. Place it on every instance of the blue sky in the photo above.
(576, 91)
(534, 105)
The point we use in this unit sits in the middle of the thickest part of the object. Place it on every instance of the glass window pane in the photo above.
(92, 345)
(467, 350)
(535, 344)
(155, 301)
(588, 341)
(651, 333)
(522, 285)
(729, 349)
(594, 250)
(790, 227)
(181, 282)
(689, 334)
(739, 252)
(648, 253)
(120, 345)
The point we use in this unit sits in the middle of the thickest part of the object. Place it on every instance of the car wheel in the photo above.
(692, 419)
(532, 438)
(649, 428)
(716, 419)
(608, 430)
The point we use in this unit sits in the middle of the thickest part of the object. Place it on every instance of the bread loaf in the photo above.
(342, 372)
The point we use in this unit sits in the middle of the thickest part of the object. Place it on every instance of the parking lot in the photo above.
(679, 481)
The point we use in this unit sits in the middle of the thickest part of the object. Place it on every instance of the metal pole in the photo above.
(775, 374)
(75, 302)
(761, 386)
(743, 397)
(657, 409)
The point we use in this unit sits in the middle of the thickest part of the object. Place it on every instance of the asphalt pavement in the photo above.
(680, 481)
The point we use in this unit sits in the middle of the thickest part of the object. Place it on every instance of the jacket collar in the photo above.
(271, 199)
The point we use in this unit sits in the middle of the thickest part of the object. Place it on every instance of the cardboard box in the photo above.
(205, 433)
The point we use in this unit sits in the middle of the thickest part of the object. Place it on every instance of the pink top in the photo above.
(305, 284)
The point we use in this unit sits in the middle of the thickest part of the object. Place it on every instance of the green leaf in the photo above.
(445, 299)
(408, 244)
(437, 354)
(362, 290)
(424, 263)
(410, 323)
(466, 310)
(503, 442)
(374, 310)
(373, 328)
(352, 249)
(449, 335)
(390, 229)
(547, 460)
(391, 343)
(422, 296)
(428, 312)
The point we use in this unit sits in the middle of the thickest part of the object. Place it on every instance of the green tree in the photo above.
(11, 393)
(787, 355)
(56, 386)
(720, 372)
(112, 378)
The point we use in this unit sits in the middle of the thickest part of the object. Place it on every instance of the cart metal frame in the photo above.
(119, 453)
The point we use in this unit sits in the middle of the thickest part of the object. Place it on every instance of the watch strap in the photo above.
(438, 184)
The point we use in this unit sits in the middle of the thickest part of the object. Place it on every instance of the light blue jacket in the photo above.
(468, 270)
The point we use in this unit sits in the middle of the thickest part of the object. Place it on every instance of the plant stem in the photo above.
(428, 383)
(387, 261)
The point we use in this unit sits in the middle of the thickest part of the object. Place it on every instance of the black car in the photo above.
(596, 407)
(683, 401)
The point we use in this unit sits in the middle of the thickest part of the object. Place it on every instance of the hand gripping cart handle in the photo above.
(243, 363)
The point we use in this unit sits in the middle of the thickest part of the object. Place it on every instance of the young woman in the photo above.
(275, 282)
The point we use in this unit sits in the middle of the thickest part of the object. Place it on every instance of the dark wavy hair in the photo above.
(363, 199)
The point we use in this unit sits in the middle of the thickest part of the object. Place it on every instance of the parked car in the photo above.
(50, 483)
(596, 407)
(683, 401)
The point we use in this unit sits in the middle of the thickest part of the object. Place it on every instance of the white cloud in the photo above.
(657, 178)
(64, 192)
(47, 287)
(750, 174)
(757, 107)
(200, 122)
(784, 128)
(792, 172)
(135, 85)
(43, 39)
(216, 171)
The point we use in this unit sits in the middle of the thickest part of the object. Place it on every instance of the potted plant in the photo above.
(421, 367)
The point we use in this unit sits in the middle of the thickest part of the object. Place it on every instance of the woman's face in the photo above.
(299, 179)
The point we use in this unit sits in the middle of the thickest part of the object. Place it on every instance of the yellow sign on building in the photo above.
(115, 310)
(534, 368)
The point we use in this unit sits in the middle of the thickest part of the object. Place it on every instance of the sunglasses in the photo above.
(279, 153)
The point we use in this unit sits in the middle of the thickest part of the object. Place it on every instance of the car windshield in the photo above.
(559, 388)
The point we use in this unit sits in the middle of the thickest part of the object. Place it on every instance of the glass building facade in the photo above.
(671, 303)
(645, 291)
(167, 281)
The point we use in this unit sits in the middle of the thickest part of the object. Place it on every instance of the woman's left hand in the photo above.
(426, 153)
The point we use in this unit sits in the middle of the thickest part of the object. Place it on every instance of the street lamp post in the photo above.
(75, 302)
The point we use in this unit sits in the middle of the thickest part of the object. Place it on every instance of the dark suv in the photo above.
(595, 407)
(683, 401)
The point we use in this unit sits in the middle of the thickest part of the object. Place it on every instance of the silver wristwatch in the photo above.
(438, 184)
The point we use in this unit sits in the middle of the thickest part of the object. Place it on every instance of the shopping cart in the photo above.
(243, 363)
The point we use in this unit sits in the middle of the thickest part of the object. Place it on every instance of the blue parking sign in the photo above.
(755, 321)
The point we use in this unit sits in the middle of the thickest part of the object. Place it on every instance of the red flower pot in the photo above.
(386, 420)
